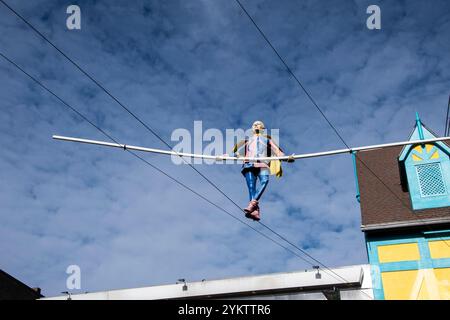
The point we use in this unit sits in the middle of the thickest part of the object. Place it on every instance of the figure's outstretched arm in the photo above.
(278, 152)
(276, 149)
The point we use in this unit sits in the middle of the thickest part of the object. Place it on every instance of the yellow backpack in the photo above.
(275, 168)
(275, 165)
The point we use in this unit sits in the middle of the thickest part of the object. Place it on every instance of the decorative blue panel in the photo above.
(428, 174)
(427, 169)
(431, 180)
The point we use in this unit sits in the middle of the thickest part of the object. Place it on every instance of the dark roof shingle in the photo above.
(385, 202)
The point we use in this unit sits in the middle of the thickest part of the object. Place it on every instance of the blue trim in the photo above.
(414, 265)
(355, 171)
(377, 285)
(432, 232)
(399, 266)
(401, 239)
(419, 126)
(418, 201)
(441, 263)
(425, 256)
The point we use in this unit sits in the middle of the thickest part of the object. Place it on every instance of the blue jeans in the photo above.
(251, 176)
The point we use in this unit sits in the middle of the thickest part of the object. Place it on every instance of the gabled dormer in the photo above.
(425, 170)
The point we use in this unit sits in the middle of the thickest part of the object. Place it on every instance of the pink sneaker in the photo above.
(252, 206)
(255, 215)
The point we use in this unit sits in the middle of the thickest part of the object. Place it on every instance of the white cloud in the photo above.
(175, 62)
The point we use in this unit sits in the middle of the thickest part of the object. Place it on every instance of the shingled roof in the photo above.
(385, 204)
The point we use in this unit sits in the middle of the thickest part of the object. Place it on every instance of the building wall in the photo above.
(410, 266)
(13, 289)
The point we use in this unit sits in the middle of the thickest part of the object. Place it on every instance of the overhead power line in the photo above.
(152, 131)
(73, 109)
(143, 123)
(128, 110)
(322, 113)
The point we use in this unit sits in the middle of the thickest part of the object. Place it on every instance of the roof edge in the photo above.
(404, 224)
(428, 134)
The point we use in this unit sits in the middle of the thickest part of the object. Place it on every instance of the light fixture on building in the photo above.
(318, 275)
(332, 294)
(185, 287)
(68, 295)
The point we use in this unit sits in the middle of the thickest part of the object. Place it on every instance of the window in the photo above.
(431, 180)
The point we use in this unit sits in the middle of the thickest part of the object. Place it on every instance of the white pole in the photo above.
(221, 157)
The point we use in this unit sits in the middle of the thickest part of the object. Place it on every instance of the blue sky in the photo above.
(175, 62)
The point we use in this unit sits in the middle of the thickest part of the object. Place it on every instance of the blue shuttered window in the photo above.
(431, 180)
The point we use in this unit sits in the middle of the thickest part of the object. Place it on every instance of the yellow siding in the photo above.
(424, 284)
(439, 249)
(443, 279)
(428, 149)
(397, 285)
(435, 155)
(398, 252)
